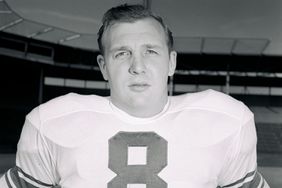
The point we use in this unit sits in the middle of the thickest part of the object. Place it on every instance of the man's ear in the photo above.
(172, 63)
(102, 65)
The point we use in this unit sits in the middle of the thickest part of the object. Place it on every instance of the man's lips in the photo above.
(139, 87)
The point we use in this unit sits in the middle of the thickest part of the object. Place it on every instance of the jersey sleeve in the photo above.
(34, 164)
(240, 167)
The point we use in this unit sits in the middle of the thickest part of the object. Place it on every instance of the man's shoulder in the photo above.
(69, 103)
(210, 100)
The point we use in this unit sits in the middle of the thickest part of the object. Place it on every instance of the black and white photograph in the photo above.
(141, 94)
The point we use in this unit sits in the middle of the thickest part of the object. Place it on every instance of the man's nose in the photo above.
(137, 65)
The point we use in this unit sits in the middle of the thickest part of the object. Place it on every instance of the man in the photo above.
(138, 137)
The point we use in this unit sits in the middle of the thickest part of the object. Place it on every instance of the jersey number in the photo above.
(147, 174)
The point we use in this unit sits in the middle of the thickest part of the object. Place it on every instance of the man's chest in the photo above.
(139, 159)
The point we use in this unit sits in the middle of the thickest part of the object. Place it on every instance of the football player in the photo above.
(138, 137)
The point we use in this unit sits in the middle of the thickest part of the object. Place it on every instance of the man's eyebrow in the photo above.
(119, 48)
(152, 46)
(148, 46)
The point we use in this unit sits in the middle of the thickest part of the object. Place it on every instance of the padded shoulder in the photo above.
(67, 104)
(211, 100)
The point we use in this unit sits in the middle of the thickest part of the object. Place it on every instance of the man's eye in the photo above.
(149, 51)
(122, 54)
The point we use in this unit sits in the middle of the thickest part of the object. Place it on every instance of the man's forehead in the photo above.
(149, 25)
(145, 29)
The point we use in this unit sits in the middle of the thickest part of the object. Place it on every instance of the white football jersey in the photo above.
(199, 140)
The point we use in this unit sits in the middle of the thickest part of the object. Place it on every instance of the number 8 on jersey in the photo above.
(132, 174)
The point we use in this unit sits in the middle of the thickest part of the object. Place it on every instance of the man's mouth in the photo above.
(139, 87)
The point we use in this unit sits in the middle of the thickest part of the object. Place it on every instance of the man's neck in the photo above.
(143, 111)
